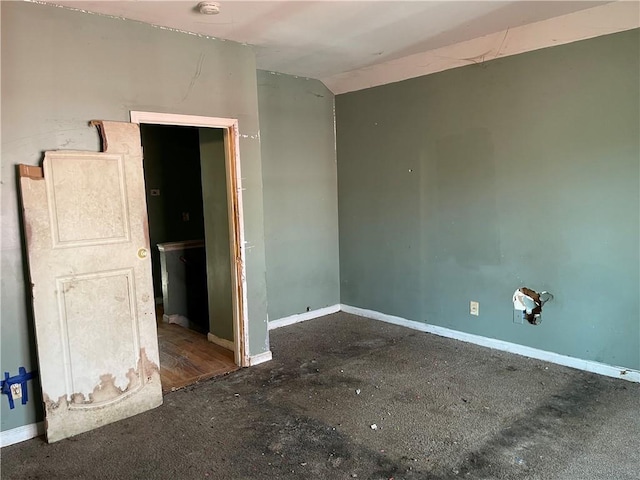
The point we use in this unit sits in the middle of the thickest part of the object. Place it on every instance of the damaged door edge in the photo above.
(103, 135)
(27, 173)
(30, 171)
(235, 214)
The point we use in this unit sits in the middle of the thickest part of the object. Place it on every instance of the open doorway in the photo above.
(192, 177)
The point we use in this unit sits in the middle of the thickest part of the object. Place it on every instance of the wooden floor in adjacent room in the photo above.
(187, 357)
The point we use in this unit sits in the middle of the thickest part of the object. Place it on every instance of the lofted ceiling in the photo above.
(337, 40)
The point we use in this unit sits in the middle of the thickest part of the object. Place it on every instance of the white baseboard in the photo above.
(20, 434)
(27, 432)
(260, 358)
(301, 317)
(222, 342)
(577, 363)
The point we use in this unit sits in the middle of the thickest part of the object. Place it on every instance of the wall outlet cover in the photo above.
(474, 308)
(16, 390)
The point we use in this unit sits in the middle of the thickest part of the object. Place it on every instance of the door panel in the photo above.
(88, 249)
(97, 201)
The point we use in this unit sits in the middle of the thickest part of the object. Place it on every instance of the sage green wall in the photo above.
(62, 68)
(216, 213)
(300, 193)
(467, 184)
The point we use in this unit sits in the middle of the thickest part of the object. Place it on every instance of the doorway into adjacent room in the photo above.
(191, 180)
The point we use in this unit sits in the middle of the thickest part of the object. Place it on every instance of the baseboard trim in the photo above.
(27, 432)
(222, 342)
(260, 358)
(21, 434)
(577, 363)
(301, 317)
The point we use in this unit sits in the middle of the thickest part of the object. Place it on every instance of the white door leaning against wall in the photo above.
(85, 221)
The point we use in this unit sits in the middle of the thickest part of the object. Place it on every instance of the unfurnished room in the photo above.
(320, 239)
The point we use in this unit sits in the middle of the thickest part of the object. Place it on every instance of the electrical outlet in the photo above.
(16, 391)
(474, 308)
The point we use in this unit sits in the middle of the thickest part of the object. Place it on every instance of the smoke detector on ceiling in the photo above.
(209, 8)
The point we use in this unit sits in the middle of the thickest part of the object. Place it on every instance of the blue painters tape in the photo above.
(22, 379)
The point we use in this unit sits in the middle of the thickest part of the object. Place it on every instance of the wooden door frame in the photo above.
(235, 213)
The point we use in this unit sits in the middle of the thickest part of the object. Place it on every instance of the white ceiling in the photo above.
(324, 39)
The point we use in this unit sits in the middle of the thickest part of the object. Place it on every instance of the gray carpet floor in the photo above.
(347, 397)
